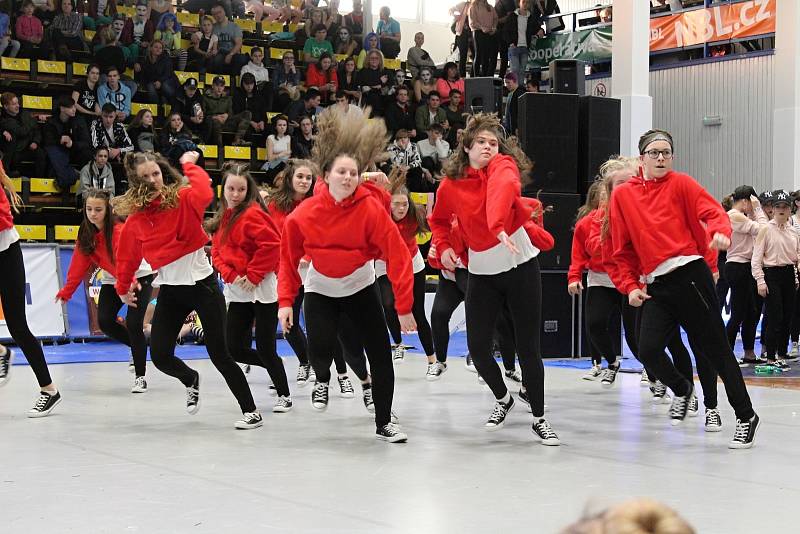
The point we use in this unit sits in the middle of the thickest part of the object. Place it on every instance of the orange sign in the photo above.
(718, 23)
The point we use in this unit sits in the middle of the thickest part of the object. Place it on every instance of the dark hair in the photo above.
(341, 94)
(655, 135)
(256, 49)
(87, 232)
(109, 70)
(434, 93)
(451, 65)
(311, 93)
(401, 88)
(402, 134)
(301, 118)
(455, 92)
(7, 97)
(436, 127)
(108, 107)
(248, 77)
(65, 101)
(218, 4)
(319, 28)
(213, 225)
(137, 120)
(283, 196)
(743, 192)
(413, 210)
(98, 149)
(93, 66)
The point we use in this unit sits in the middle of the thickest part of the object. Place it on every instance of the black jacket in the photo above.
(186, 106)
(160, 71)
(255, 104)
(510, 29)
(23, 129)
(75, 128)
(511, 119)
(398, 119)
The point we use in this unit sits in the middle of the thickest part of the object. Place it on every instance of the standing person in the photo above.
(388, 31)
(464, 39)
(521, 28)
(774, 266)
(97, 239)
(341, 275)
(504, 270)
(504, 10)
(483, 21)
(164, 227)
(794, 330)
(245, 251)
(511, 115)
(660, 225)
(12, 291)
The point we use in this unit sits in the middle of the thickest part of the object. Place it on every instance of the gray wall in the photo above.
(739, 151)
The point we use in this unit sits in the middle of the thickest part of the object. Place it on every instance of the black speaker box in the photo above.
(483, 94)
(560, 222)
(598, 135)
(559, 310)
(568, 76)
(548, 132)
(583, 344)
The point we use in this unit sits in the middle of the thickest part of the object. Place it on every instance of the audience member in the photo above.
(314, 48)
(322, 76)
(279, 148)
(344, 43)
(169, 33)
(20, 138)
(345, 105)
(348, 79)
(142, 132)
(451, 80)
(246, 98)
(189, 104)
(388, 31)
(159, 8)
(29, 31)
(431, 113)
(510, 116)
(434, 150)
(464, 41)
(218, 105)
(400, 116)
(174, 131)
(400, 82)
(418, 57)
(66, 31)
(229, 44)
(84, 93)
(204, 46)
(373, 79)
(116, 93)
(455, 116)
(504, 8)
(424, 85)
(66, 140)
(522, 25)
(483, 21)
(355, 19)
(307, 107)
(303, 139)
(405, 155)
(156, 74)
(287, 82)
(371, 42)
(97, 174)
(256, 67)
(138, 31)
(97, 13)
(109, 132)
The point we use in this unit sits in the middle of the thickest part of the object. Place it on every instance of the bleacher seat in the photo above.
(261, 153)
(247, 25)
(236, 152)
(209, 151)
(136, 107)
(128, 11)
(185, 75)
(17, 183)
(392, 64)
(277, 53)
(188, 19)
(79, 69)
(271, 27)
(38, 103)
(15, 64)
(48, 185)
(65, 232)
(32, 232)
(51, 67)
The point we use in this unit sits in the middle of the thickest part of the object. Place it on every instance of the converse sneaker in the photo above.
(5, 366)
(391, 432)
(302, 374)
(523, 396)
(139, 385)
(660, 393)
(249, 421)
(44, 404)
(781, 364)
(346, 390)
(514, 376)
(398, 353)
(609, 375)
(694, 407)
(470, 365)
(794, 351)
(282, 405)
(319, 397)
(679, 407)
(393, 417)
(545, 433)
(312, 376)
(481, 380)
(593, 373)
(498, 417)
(435, 371)
(745, 435)
(369, 404)
(645, 381)
(713, 420)
(193, 396)
(131, 366)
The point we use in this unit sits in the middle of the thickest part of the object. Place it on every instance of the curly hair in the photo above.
(607, 171)
(87, 232)
(455, 167)
(231, 168)
(283, 195)
(350, 134)
(140, 193)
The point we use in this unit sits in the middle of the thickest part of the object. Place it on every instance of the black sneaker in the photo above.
(302, 374)
(694, 407)
(523, 396)
(193, 396)
(513, 375)
(249, 421)
(609, 376)
(545, 433)
(319, 397)
(498, 417)
(282, 405)
(391, 432)
(369, 404)
(679, 407)
(713, 420)
(6, 360)
(346, 387)
(660, 393)
(44, 404)
(435, 371)
(469, 364)
(745, 434)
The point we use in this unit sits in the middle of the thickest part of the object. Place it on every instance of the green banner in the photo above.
(586, 45)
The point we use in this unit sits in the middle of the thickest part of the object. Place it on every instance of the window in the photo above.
(437, 11)
(401, 9)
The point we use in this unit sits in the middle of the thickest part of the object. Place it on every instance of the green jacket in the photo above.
(423, 118)
(216, 105)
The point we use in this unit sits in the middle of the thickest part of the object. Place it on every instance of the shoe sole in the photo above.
(10, 363)
(194, 409)
(320, 408)
(732, 445)
(471, 368)
(281, 409)
(589, 378)
(398, 360)
(608, 385)
(548, 442)
(302, 383)
(348, 395)
(243, 426)
(370, 408)
(37, 415)
(713, 428)
(138, 390)
(493, 428)
(401, 439)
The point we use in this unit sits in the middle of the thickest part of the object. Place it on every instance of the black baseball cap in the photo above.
(766, 197)
(218, 80)
(743, 192)
(190, 82)
(781, 197)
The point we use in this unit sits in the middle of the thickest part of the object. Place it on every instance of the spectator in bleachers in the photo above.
(108, 131)
(418, 57)
(65, 139)
(29, 31)
(116, 93)
(142, 133)
(307, 107)
(247, 98)
(345, 105)
(196, 6)
(66, 31)
(108, 50)
(431, 113)
(510, 115)
(97, 13)
(189, 104)
(344, 43)
(45, 10)
(137, 32)
(520, 30)
(483, 21)
(84, 93)
(399, 115)
(434, 150)
(287, 82)
(371, 42)
(169, 33)
(405, 155)
(174, 131)
(218, 105)
(229, 44)
(451, 80)
(348, 79)
(158, 8)
(314, 48)
(322, 76)
(504, 9)
(423, 85)
(303, 139)
(373, 80)
(256, 67)
(8, 46)
(532, 84)
(399, 82)
(333, 20)
(455, 116)
(279, 148)
(20, 138)
(97, 174)
(464, 41)
(314, 17)
(355, 19)
(388, 30)
(204, 46)
(156, 74)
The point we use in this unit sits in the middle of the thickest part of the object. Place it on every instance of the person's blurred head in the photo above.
(320, 32)
(190, 87)
(93, 73)
(288, 59)
(511, 81)
(10, 103)
(374, 59)
(112, 77)
(434, 100)
(66, 6)
(455, 98)
(141, 10)
(419, 39)
(156, 49)
(402, 138)
(108, 114)
(312, 99)
(207, 24)
(175, 121)
(435, 132)
(218, 86)
(344, 34)
(451, 71)
(256, 55)
(218, 12)
(101, 157)
(385, 12)
(248, 82)
(350, 64)
(306, 126)
(325, 61)
(372, 41)
(402, 96)
(66, 105)
(281, 125)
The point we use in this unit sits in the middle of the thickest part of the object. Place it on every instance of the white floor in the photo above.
(110, 461)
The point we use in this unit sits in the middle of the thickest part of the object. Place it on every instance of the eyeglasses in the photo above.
(655, 153)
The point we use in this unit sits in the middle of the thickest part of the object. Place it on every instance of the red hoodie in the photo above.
(340, 237)
(163, 236)
(582, 259)
(655, 220)
(534, 227)
(81, 262)
(456, 242)
(486, 201)
(278, 215)
(6, 218)
(251, 247)
(408, 231)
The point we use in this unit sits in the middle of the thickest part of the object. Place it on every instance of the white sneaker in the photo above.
(513, 376)
(139, 385)
(794, 351)
(249, 421)
(593, 373)
(131, 367)
(435, 371)
(282, 405)
(469, 364)
(398, 353)
(346, 390)
(645, 381)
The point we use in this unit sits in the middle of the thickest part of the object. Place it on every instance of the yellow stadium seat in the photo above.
(246, 49)
(247, 25)
(186, 44)
(129, 73)
(190, 19)
(37, 102)
(185, 75)
(340, 57)
(48, 185)
(277, 53)
(65, 232)
(261, 153)
(88, 34)
(271, 27)
(392, 64)
(272, 114)
(420, 199)
(128, 11)
(237, 152)
(219, 191)
(17, 183)
(136, 107)
(209, 151)
(167, 109)
(79, 69)
(293, 27)
(16, 64)
(32, 232)
(51, 67)
(210, 79)
(423, 238)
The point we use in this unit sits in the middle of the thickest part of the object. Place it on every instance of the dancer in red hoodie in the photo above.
(660, 226)
(12, 291)
(165, 227)
(98, 237)
(342, 229)
(245, 252)
(482, 189)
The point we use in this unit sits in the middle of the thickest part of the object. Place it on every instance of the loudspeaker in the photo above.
(598, 135)
(483, 95)
(567, 76)
(559, 220)
(559, 310)
(583, 343)
(548, 132)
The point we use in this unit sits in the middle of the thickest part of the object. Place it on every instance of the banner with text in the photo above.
(585, 45)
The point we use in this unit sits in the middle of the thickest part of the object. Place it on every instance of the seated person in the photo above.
(156, 75)
(345, 105)
(322, 76)
(20, 137)
(189, 104)
(317, 46)
(109, 132)
(455, 116)
(287, 81)
(142, 133)
(97, 173)
(246, 98)
(344, 43)
(66, 140)
(218, 105)
(388, 31)
(418, 57)
(279, 148)
(400, 115)
(405, 155)
(204, 46)
(431, 113)
(115, 93)
(307, 107)
(303, 138)
(434, 150)
(229, 58)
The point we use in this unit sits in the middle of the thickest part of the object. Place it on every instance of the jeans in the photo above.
(518, 58)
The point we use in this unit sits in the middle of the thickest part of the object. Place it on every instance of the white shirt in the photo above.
(187, 270)
(143, 270)
(9, 236)
(499, 259)
(522, 28)
(259, 71)
(667, 266)
(266, 292)
(417, 265)
(280, 145)
(596, 279)
(438, 151)
(351, 284)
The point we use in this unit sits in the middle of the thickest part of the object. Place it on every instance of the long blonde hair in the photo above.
(8, 185)
(592, 200)
(349, 134)
(140, 193)
(607, 170)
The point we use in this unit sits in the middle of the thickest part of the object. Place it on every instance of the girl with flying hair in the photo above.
(342, 229)
(165, 227)
(245, 250)
(482, 188)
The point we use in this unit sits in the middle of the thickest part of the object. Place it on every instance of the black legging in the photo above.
(239, 335)
(132, 334)
(602, 305)
(12, 292)
(449, 295)
(780, 302)
(504, 338)
(363, 309)
(417, 310)
(464, 43)
(351, 349)
(485, 55)
(745, 304)
(520, 289)
(174, 304)
(296, 337)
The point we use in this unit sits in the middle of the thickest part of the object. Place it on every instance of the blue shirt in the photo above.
(392, 27)
(121, 98)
